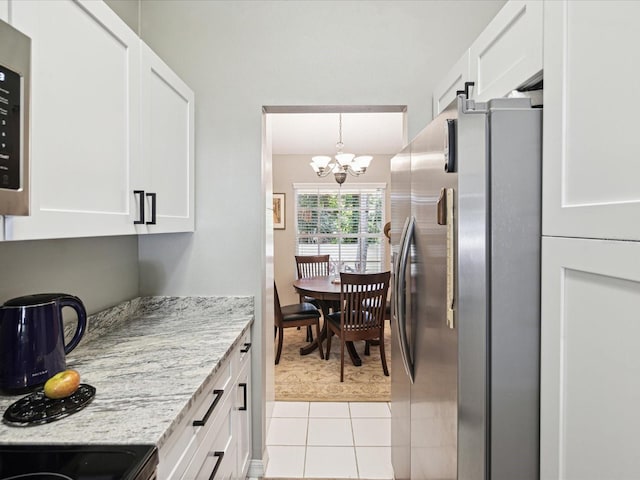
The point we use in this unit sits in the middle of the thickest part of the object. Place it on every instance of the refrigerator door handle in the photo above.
(400, 287)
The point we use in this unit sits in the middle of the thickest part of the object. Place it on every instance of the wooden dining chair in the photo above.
(296, 315)
(363, 299)
(311, 266)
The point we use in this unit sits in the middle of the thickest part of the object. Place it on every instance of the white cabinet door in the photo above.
(84, 119)
(446, 91)
(167, 126)
(591, 142)
(590, 359)
(243, 412)
(508, 53)
(4, 10)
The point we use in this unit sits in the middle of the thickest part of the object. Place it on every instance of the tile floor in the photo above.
(330, 440)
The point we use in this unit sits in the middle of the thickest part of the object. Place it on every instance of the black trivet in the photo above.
(36, 408)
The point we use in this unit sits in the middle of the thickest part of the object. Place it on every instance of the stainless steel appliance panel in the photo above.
(499, 274)
(400, 406)
(515, 177)
(15, 64)
(471, 296)
(434, 391)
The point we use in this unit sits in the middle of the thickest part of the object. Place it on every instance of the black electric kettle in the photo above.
(32, 347)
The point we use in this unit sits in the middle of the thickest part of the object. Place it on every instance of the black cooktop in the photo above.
(78, 462)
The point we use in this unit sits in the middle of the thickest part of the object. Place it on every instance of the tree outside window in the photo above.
(347, 223)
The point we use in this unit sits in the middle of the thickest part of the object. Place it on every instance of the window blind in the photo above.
(346, 223)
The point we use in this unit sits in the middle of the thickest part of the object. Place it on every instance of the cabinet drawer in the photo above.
(195, 424)
(215, 456)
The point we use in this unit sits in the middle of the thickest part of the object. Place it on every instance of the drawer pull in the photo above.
(200, 423)
(244, 396)
(218, 462)
(246, 348)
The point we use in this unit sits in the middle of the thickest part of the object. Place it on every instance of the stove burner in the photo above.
(36, 408)
(38, 476)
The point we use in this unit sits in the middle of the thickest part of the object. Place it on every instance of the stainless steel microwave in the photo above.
(15, 81)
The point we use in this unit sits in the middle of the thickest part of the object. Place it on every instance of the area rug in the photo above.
(310, 379)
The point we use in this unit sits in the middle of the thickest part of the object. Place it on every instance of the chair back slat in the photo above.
(277, 313)
(312, 265)
(363, 297)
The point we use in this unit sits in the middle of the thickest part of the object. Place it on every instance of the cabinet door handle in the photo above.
(246, 348)
(140, 220)
(244, 396)
(220, 455)
(200, 423)
(153, 208)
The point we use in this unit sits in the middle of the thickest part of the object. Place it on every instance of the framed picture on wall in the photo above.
(278, 211)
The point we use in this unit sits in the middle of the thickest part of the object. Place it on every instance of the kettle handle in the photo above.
(78, 306)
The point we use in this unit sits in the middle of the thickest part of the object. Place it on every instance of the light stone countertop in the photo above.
(146, 358)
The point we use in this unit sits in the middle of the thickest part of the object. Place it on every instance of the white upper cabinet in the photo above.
(591, 141)
(4, 10)
(167, 126)
(446, 91)
(84, 120)
(508, 53)
(505, 56)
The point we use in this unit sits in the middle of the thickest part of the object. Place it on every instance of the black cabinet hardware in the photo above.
(244, 396)
(220, 455)
(246, 348)
(140, 220)
(200, 423)
(153, 208)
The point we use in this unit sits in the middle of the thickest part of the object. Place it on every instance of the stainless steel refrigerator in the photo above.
(465, 233)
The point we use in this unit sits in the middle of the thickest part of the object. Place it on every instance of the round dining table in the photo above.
(327, 292)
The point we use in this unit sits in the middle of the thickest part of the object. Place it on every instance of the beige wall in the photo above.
(290, 169)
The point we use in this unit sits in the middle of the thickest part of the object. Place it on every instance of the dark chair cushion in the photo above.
(299, 311)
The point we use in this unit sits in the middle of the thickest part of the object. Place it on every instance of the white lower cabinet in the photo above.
(589, 359)
(213, 439)
(243, 409)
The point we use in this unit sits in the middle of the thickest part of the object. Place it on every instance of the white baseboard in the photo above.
(256, 469)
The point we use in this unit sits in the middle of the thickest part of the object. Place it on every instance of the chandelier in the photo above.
(342, 163)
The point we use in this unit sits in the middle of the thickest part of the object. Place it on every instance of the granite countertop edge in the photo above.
(150, 359)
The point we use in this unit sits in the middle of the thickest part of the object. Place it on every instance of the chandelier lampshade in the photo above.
(342, 163)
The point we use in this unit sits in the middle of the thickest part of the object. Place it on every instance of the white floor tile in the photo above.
(369, 410)
(329, 409)
(285, 462)
(330, 462)
(371, 432)
(374, 462)
(287, 431)
(291, 409)
(330, 432)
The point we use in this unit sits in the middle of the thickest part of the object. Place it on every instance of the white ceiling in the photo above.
(317, 133)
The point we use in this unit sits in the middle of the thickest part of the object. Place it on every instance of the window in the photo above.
(346, 223)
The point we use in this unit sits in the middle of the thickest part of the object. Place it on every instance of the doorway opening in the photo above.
(336, 223)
